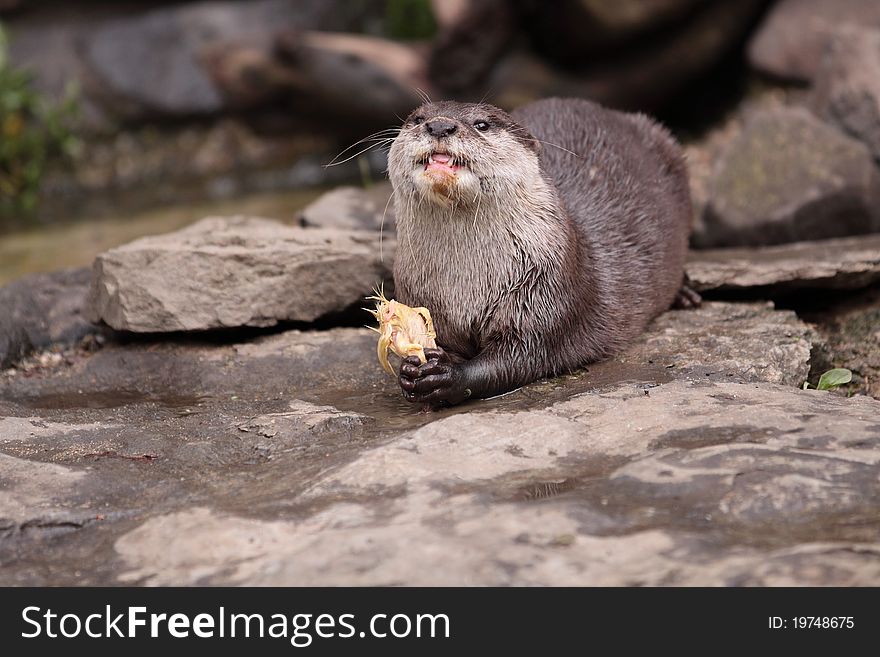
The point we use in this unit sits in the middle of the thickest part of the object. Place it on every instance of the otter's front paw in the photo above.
(437, 382)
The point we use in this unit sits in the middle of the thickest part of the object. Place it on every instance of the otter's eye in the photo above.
(482, 126)
(417, 120)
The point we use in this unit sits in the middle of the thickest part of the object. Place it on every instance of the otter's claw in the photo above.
(435, 382)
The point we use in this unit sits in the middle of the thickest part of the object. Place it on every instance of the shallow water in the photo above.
(76, 243)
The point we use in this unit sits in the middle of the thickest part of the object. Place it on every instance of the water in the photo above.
(76, 243)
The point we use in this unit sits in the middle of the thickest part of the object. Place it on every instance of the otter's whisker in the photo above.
(370, 147)
(423, 95)
(382, 225)
(381, 134)
(486, 96)
(547, 143)
(477, 213)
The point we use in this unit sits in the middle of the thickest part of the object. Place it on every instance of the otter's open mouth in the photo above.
(442, 162)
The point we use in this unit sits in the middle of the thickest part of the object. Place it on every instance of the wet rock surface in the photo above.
(224, 272)
(291, 458)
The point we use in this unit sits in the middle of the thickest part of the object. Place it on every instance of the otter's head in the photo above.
(452, 153)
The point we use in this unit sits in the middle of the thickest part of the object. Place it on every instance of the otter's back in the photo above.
(626, 188)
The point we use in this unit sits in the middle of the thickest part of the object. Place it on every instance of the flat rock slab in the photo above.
(291, 458)
(724, 341)
(837, 264)
(224, 272)
(603, 489)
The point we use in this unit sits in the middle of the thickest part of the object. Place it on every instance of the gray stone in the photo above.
(847, 86)
(142, 62)
(292, 458)
(48, 51)
(845, 263)
(789, 177)
(352, 208)
(151, 64)
(750, 342)
(793, 38)
(231, 272)
(40, 310)
(573, 494)
(149, 67)
(364, 79)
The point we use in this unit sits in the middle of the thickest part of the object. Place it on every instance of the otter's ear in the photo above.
(526, 138)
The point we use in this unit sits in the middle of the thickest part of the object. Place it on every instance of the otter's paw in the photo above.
(687, 298)
(436, 382)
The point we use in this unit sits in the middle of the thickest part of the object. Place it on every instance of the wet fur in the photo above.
(542, 261)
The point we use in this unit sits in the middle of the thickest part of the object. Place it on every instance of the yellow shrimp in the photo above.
(404, 330)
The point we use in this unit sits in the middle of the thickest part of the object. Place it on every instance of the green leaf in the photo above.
(834, 378)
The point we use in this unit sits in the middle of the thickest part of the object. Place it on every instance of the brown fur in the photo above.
(563, 236)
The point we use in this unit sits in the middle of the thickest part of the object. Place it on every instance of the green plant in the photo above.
(32, 131)
(832, 379)
(409, 19)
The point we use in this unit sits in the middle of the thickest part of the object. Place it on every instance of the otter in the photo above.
(540, 240)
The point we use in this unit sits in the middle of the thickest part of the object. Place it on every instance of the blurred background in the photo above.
(125, 118)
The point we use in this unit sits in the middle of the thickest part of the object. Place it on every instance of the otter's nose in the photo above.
(440, 128)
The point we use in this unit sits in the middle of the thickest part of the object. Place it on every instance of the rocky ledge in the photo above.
(288, 457)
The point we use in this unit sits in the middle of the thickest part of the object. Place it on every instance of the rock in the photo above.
(132, 64)
(848, 335)
(364, 79)
(847, 85)
(48, 51)
(572, 30)
(702, 152)
(845, 263)
(41, 310)
(794, 36)
(749, 341)
(152, 64)
(232, 272)
(352, 208)
(298, 427)
(614, 489)
(276, 459)
(789, 177)
(638, 73)
(149, 65)
(32, 496)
